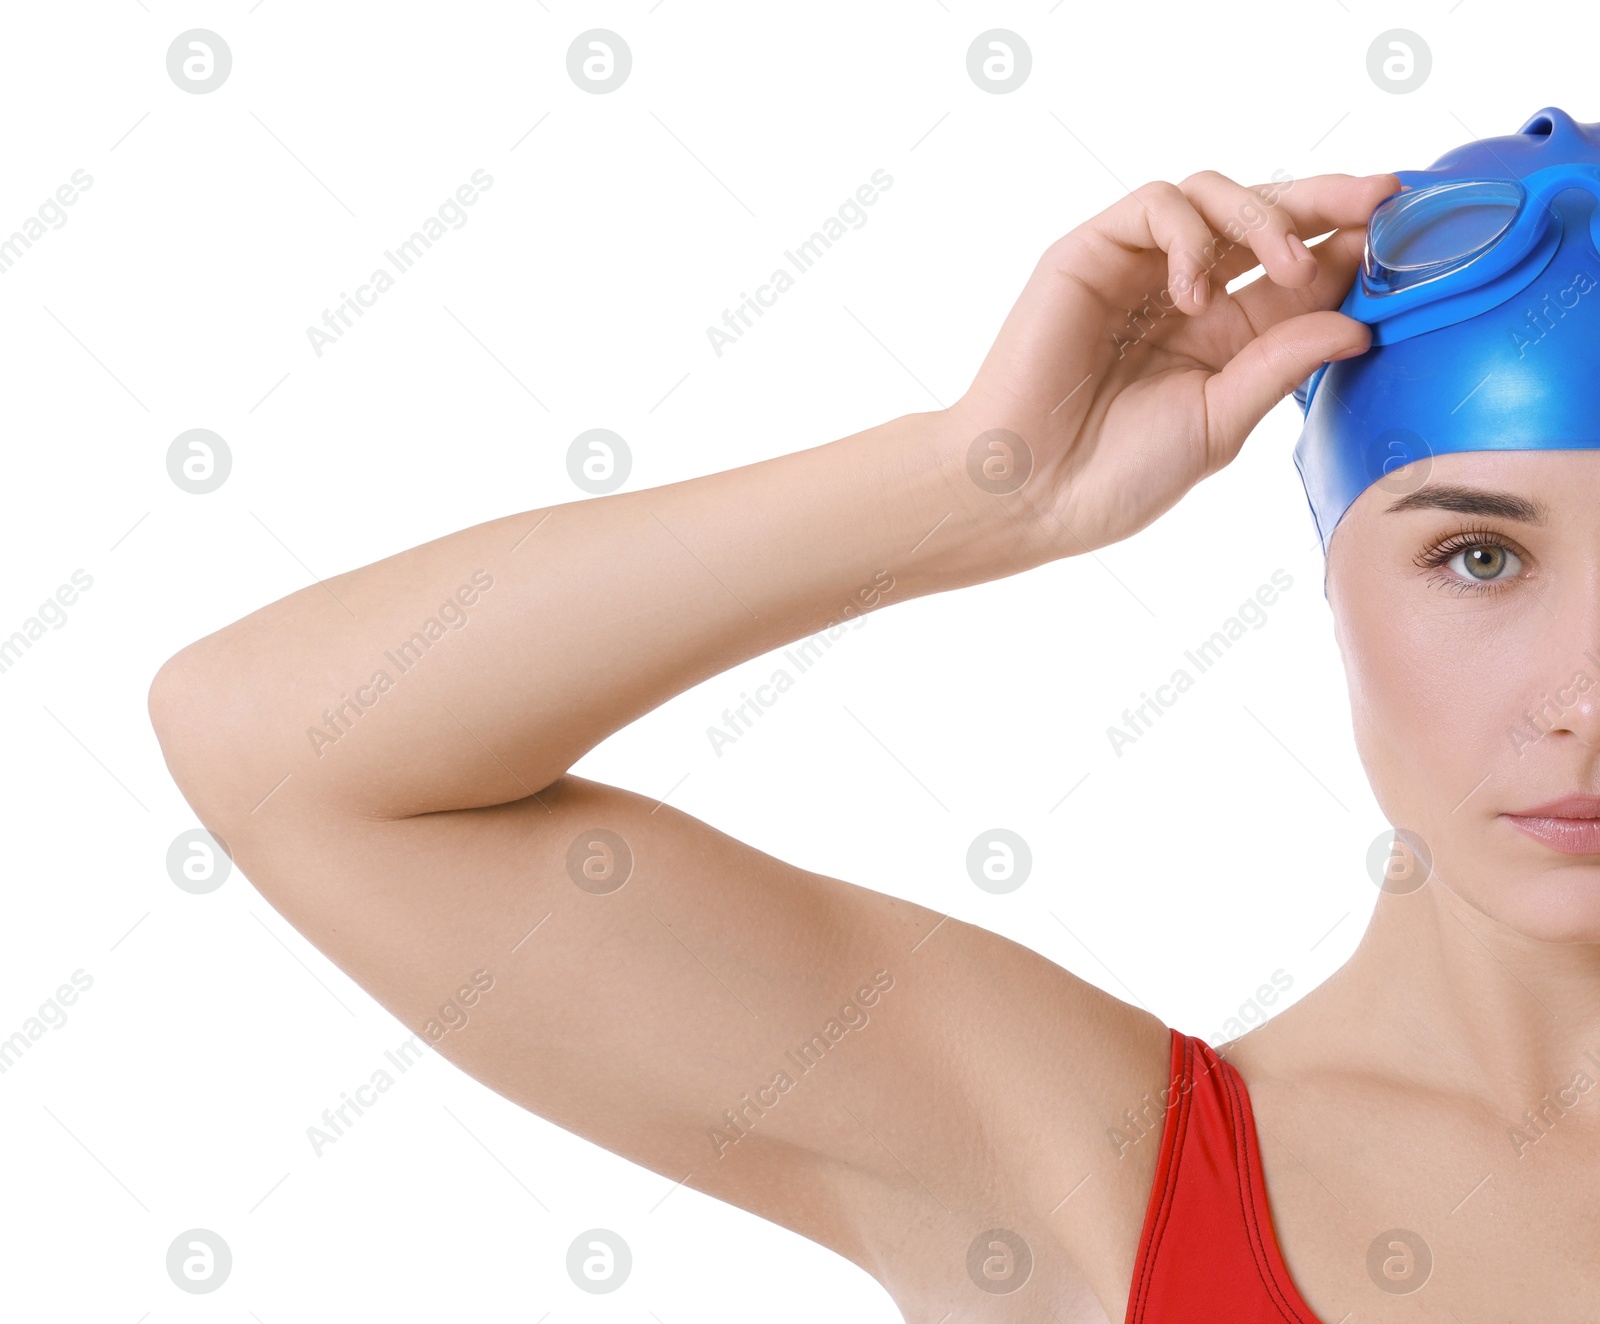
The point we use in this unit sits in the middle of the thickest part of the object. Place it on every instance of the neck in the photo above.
(1446, 996)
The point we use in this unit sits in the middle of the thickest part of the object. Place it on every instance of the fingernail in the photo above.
(1300, 251)
(1348, 354)
(1202, 289)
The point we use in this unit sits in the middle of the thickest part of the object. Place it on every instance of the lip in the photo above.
(1569, 806)
(1570, 825)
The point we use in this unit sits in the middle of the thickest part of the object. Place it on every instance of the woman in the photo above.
(386, 755)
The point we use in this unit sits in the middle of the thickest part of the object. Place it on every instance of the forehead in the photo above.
(1564, 483)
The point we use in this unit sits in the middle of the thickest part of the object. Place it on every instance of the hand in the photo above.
(1127, 369)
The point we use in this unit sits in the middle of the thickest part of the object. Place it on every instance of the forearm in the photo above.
(570, 622)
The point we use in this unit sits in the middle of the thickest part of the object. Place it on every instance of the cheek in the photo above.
(1433, 705)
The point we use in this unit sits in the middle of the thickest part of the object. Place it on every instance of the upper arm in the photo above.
(848, 1064)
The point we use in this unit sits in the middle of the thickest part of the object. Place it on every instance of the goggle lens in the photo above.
(1421, 234)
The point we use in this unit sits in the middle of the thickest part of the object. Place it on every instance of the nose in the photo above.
(1570, 706)
(1579, 710)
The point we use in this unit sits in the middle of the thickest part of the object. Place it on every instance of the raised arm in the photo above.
(537, 635)
(386, 756)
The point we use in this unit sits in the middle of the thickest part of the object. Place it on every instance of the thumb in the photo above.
(1267, 369)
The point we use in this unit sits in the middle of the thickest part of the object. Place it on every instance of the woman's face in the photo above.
(1466, 603)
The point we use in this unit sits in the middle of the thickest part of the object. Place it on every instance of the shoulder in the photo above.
(1039, 1135)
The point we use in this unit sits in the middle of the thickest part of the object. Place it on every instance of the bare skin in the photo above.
(434, 830)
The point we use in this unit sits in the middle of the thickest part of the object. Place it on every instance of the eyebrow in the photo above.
(1473, 501)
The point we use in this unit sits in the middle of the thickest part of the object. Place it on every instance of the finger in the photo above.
(1321, 203)
(1250, 221)
(1179, 221)
(1235, 260)
(1266, 224)
(1158, 216)
(1267, 369)
(1267, 303)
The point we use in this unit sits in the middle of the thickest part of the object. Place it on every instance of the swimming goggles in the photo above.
(1442, 252)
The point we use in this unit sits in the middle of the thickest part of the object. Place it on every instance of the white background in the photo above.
(1226, 844)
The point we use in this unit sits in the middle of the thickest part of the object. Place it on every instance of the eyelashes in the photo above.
(1470, 539)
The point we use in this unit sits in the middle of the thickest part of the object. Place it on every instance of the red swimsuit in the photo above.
(1207, 1252)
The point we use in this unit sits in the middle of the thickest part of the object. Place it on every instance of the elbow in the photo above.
(219, 709)
(172, 700)
(174, 707)
(201, 746)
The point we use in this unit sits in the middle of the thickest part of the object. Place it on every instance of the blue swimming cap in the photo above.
(1481, 283)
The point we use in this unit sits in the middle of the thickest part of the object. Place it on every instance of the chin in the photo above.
(1533, 890)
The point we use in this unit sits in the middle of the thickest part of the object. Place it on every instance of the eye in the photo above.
(1476, 559)
(1486, 562)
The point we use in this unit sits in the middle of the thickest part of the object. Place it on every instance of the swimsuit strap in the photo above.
(1208, 1251)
